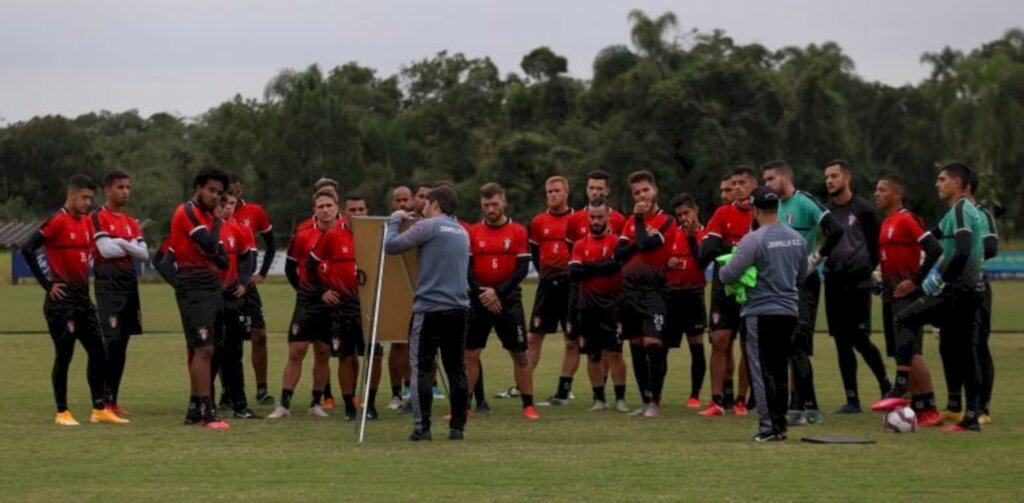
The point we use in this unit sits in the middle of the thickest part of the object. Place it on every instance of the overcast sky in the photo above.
(186, 56)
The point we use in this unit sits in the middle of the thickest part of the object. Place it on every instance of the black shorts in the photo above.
(803, 336)
(252, 308)
(893, 338)
(956, 312)
(725, 311)
(684, 316)
(346, 332)
(848, 306)
(120, 314)
(509, 325)
(642, 314)
(311, 321)
(202, 315)
(550, 307)
(72, 317)
(599, 330)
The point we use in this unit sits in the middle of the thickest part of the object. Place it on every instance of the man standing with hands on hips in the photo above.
(440, 305)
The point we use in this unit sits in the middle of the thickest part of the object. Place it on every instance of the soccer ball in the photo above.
(900, 420)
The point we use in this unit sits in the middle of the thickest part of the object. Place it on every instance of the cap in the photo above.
(764, 198)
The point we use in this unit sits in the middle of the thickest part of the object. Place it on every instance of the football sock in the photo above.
(620, 391)
(698, 367)
(286, 398)
(564, 387)
(641, 370)
(902, 380)
(478, 391)
(527, 399)
(955, 402)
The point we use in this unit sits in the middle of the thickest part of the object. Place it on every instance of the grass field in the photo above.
(569, 455)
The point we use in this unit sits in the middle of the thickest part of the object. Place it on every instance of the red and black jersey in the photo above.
(579, 225)
(116, 274)
(68, 248)
(548, 233)
(598, 290)
(252, 216)
(495, 250)
(646, 269)
(304, 225)
(192, 262)
(299, 248)
(689, 276)
(238, 240)
(730, 222)
(899, 247)
(336, 254)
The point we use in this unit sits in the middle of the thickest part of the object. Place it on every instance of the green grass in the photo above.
(569, 455)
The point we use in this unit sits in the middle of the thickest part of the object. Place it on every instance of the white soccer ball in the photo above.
(900, 420)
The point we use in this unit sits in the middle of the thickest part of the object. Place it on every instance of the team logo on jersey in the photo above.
(586, 253)
(71, 236)
(852, 220)
(547, 231)
(604, 251)
(246, 222)
(344, 249)
(204, 333)
(507, 243)
(112, 321)
(111, 227)
(231, 241)
(481, 243)
(127, 230)
(892, 229)
(296, 328)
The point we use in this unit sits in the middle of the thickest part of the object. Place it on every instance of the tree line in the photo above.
(687, 106)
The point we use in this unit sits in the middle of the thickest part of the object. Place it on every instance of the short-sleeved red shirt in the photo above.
(336, 254)
(593, 291)
(299, 248)
(68, 248)
(689, 276)
(495, 250)
(117, 274)
(899, 247)
(646, 269)
(579, 225)
(252, 216)
(548, 232)
(730, 222)
(192, 262)
(238, 240)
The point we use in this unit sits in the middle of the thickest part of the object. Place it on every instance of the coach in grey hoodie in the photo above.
(770, 313)
(440, 305)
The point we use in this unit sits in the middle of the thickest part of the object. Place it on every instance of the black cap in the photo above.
(763, 198)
